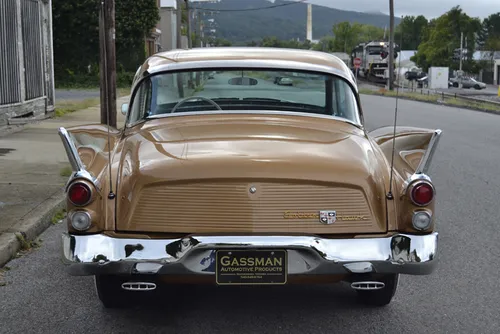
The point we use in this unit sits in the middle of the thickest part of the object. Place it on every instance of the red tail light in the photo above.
(79, 194)
(422, 193)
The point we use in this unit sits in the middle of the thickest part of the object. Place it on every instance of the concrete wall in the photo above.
(168, 24)
(26, 65)
(496, 72)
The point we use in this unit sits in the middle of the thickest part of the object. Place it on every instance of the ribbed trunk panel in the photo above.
(230, 207)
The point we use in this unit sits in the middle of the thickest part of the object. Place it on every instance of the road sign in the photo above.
(357, 62)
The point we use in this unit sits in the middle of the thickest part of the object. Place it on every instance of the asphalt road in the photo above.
(462, 296)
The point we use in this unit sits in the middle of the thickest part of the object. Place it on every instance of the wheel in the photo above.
(112, 295)
(477, 87)
(383, 296)
(455, 84)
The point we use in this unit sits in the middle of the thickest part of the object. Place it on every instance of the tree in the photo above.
(134, 21)
(346, 36)
(441, 38)
(274, 42)
(412, 28)
(370, 33)
(76, 34)
(325, 44)
(489, 36)
(219, 42)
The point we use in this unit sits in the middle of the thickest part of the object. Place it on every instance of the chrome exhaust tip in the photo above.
(367, 285)
(138, 286)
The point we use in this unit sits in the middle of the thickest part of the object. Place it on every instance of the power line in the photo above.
(248, 9)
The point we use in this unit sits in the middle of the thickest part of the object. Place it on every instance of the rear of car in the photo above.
(241, 182)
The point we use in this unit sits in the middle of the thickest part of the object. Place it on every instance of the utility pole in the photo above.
(461, 56)
(198, 29)
(391, 45)
(107, 64)
(178, 16)
(190, 42)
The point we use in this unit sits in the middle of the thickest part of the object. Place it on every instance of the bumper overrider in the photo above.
(202, 255)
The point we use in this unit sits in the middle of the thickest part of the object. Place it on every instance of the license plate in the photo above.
(251, 267)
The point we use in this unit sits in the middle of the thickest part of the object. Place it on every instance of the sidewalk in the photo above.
(31, 185)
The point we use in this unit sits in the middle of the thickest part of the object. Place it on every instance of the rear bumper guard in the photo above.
(195, 255)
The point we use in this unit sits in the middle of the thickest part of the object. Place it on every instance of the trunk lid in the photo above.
(250, 174)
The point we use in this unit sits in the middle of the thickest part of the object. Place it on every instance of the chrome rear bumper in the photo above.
(195, 255)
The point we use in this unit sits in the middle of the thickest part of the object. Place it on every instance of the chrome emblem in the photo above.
(328, 217)
(253, 190)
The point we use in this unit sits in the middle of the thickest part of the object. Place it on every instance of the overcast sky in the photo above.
(428, 8)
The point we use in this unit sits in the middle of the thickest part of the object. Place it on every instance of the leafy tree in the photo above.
(441, 38)
(134, 21)
(325, 44)
(219, 42)
(274, 42)
(370, 33)
(489, 35)
(346, 36)
(411, 28)
(76, 34)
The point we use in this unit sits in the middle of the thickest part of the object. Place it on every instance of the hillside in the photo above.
(284, 22)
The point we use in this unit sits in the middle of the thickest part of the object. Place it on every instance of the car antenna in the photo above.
(111, 194)
(389, 194)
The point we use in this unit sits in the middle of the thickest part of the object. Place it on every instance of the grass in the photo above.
(66, 171)
(68, 106)
(58, 216)
(435, 99)
(27, 246)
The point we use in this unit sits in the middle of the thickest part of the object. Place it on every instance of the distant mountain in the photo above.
(284, 22)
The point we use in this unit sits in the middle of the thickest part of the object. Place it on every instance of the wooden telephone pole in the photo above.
(180, 83)
(190, 42)
(391, 45)
(107, 62)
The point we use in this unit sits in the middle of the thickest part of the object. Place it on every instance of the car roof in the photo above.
(244, 53)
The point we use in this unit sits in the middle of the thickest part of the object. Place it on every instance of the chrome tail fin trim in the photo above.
(71, 151)
(425, 163)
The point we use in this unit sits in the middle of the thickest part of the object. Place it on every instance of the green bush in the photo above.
(91, 80)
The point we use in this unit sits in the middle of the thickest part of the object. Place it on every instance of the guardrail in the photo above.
(455, 95)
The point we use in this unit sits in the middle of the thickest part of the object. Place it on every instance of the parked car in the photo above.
(423, 82)
(468, 82)
(415, 74)
(243, 184)
(285, 81)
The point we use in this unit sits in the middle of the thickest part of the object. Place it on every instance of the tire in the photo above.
(455, 84)
(477, 87)
(111, 294)
(383, 296)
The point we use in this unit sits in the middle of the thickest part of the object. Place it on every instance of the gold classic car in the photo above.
(238, 181)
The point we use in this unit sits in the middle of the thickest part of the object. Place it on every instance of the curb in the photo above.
(492, 112)
(31, 226)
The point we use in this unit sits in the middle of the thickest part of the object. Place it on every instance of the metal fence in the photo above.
(26, 66)
(10, 91)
